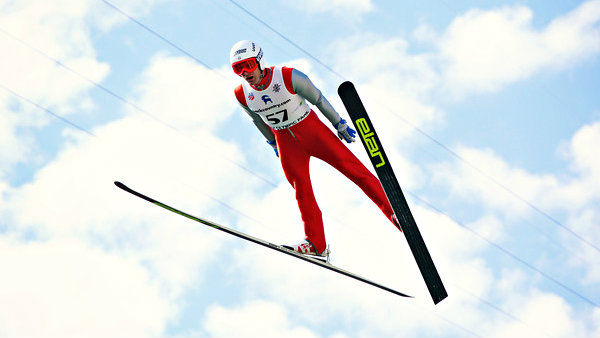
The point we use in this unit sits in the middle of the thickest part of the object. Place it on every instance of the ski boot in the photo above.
(307, 248)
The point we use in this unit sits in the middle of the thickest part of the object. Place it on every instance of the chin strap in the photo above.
(263, 78)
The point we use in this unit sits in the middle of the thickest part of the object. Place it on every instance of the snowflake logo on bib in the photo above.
(276, 87)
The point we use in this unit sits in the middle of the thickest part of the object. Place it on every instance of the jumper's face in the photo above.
(253, 77)
(248, 69)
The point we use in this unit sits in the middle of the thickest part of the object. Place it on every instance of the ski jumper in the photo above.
(280, 112)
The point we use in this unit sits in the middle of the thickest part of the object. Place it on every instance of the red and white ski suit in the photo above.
(280, 112)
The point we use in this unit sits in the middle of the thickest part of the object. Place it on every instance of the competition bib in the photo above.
(277, 107)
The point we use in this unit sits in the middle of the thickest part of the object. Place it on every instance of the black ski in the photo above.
(259, 241)
(384, 171)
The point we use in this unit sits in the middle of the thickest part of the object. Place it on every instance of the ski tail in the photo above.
(392, 189)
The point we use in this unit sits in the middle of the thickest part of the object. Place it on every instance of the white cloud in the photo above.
(595, 331)
(585, 217)
(535, 310)
(65, 288)
(488, 226)
(59, 30)
(181, 93)
(547, 191)
(134, 149)
(32, 35)
(395, 84)
(253, 319)
(337, 7)
(424, 34)
(483, 51)
(73, 197)
(478, 185)
(369, 58)
(14, 148)
(583, 152)
(480, 51)
(585, 222)
(576, 193)
(105, 17)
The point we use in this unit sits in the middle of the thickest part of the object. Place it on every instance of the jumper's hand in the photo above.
(344, 131)
(274, 145)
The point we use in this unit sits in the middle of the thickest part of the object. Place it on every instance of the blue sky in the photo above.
(489, 112)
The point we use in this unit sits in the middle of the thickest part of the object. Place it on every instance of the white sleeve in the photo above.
(260, 124)
(304, 87)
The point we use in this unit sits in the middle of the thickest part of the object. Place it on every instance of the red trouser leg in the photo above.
(295, 163)
(312, 138)
(334, 152)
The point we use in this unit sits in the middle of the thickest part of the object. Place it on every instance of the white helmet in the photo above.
(246, 49)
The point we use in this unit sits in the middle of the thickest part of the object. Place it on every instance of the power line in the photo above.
(72, 124)
(163, 38)
(153, 32)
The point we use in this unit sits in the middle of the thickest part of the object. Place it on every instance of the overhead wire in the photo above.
(156, 34)
(63, 119)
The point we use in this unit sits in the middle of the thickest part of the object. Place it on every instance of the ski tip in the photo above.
(120, 185)
(345, 85)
